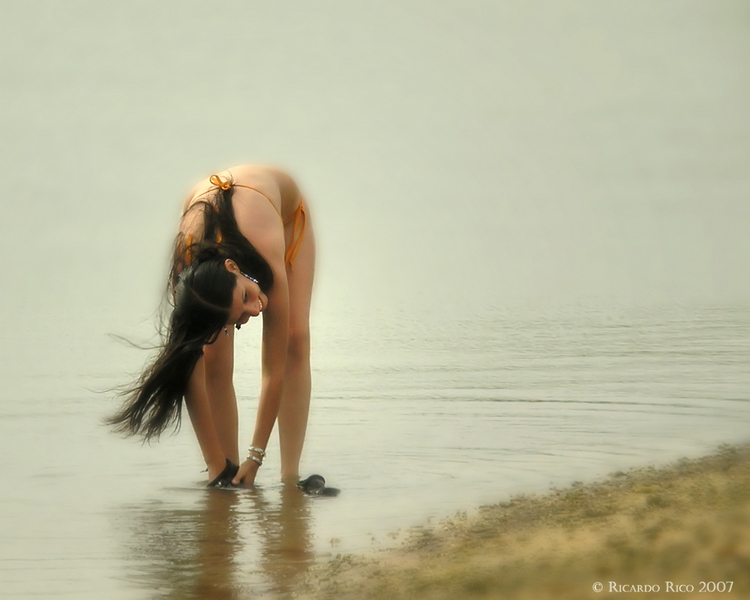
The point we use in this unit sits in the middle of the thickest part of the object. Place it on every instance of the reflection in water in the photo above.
(287, 547)
(229, 544)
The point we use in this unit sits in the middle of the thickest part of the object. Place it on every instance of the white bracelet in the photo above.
(257, 450)
(255, 458)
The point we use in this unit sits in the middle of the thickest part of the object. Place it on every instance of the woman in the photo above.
(245, 247)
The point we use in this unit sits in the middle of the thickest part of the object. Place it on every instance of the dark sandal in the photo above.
(315, 485)
(225, 477)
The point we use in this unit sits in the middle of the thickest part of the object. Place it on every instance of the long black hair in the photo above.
(200, 289)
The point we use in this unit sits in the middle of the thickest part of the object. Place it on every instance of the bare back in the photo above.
(263, 200)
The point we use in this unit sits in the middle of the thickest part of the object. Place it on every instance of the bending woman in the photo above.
(245, 247)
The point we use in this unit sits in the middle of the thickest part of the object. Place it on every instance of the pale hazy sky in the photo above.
(457, 153)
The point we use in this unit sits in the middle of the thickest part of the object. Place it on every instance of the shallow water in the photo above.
(412, 419)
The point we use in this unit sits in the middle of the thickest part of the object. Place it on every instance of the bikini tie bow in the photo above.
(224, 184)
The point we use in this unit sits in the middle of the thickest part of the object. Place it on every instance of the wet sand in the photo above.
(684, 528)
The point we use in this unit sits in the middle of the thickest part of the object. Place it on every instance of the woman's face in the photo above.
(247, 300)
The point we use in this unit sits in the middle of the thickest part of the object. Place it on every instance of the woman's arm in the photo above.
(196, 400)
(265, 230)
(219, 367)
(275, 340)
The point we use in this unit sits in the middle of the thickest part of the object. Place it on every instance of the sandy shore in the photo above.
(684, 528)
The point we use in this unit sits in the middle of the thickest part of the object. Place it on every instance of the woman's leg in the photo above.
(295, 402)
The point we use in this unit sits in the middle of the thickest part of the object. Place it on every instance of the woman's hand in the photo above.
(246, 474)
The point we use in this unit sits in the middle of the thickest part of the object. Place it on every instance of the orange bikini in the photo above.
(298, 216)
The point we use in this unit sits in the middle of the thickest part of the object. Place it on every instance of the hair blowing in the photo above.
(201, 289)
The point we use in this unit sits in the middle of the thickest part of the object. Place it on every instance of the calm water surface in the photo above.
(413, 419)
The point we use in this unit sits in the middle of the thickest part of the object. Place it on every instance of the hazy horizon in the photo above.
(456, 156)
